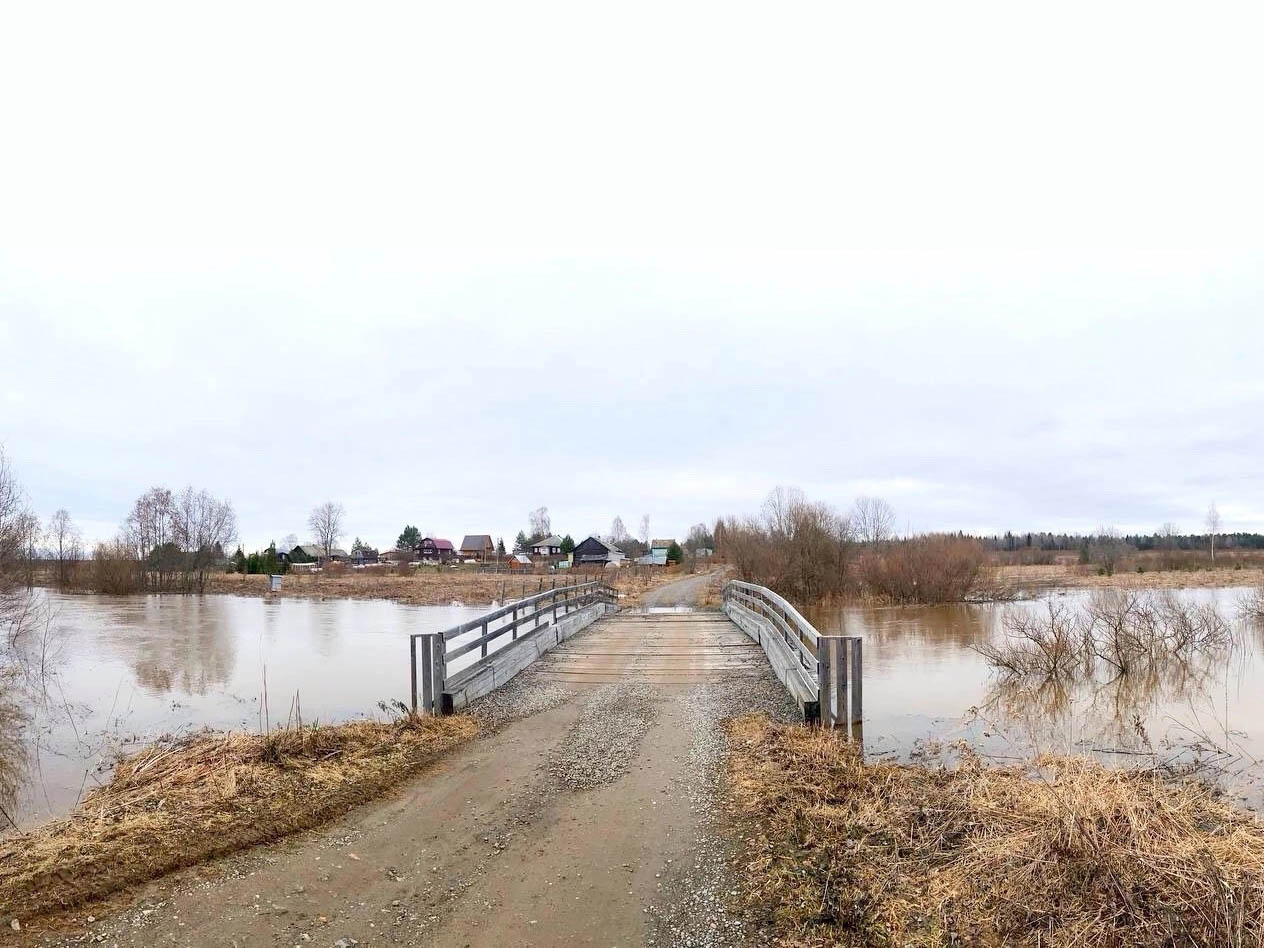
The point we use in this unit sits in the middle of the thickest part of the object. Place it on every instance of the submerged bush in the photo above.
(1125, 631)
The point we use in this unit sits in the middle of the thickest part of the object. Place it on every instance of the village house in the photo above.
(548, 547)
(478, 547)
(657, 556)
(435, 550)
(595, 551)
(397, 556)
(308, 553)
(365, 556)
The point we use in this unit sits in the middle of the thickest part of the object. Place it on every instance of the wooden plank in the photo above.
(427, 675)
(857, 703)
(412, 661)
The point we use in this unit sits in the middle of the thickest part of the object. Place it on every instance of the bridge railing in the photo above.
(822, 672)
(507, 640)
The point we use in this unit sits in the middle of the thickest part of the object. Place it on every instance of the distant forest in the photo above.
(1141, 542)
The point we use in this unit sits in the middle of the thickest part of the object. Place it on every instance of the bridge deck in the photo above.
(656, 648)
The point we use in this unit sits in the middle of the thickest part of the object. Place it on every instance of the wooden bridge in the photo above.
(755, 629)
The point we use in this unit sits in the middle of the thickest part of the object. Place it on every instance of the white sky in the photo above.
(444, 263)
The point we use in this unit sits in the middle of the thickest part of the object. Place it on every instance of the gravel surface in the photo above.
(522, 696)
(604, 740)
(702, 907)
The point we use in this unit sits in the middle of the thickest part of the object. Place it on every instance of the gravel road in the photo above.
(587, 814)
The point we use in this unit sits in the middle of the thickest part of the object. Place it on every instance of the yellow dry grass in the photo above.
(1026, 578)
(176, 804)
(429, 586)
(1062, 853)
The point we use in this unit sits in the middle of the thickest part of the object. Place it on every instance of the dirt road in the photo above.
(683, 592)
(585, 817)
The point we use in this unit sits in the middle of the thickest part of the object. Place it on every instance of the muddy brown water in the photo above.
(926, 687)
(121, 672)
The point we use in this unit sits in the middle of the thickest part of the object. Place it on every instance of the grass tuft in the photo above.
(179, 803)
(1064, 852)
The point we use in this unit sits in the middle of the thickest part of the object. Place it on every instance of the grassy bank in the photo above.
(431, 587)
(177, 804)
(1036, 578)
(841, 852)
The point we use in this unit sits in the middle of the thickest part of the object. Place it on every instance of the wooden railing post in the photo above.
(857, 703)
(823, 684)
(412, 657)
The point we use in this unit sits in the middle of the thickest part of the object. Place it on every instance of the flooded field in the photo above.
(927, 685)
(122, 671)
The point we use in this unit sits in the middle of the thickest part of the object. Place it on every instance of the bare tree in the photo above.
(645, 529)
(150, 530)
(779, 510)
(19, 532)
(618, 532)
(541, 525)
(873, 519)
(1213, 527)
(65, 543)
(325, 523)
(288, 542)
(205, 526)
(699, 538)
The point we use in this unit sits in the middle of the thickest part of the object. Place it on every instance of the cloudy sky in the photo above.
(445, 263)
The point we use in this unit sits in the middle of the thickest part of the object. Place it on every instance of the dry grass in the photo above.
(1067, 853)
(178, 804)
(431, 586)
(1070, 575)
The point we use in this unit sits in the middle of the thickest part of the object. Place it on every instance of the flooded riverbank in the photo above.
(927, 685)
(118, 672)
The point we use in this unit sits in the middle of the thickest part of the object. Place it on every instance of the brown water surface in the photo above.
(926, 686)
(121, 671)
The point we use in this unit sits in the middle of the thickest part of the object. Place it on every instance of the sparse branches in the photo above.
(65, 543)
(645, 530)
(618, 532)
(1213, 528)
(325, 522)
(541, 525)
(873, 519)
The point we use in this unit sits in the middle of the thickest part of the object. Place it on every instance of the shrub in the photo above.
(115, 570)
(930, 568)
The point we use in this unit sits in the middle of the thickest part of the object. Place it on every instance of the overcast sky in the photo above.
(445, 263)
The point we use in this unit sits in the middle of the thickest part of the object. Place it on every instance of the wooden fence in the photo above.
(510, 638)
(822, 672)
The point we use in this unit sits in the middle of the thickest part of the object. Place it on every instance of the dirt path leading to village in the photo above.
(587, 816)
(683, 592)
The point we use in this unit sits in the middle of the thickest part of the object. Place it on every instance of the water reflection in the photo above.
(121, 671)
(927, 685)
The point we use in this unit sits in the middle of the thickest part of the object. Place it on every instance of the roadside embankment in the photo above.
(176, 804)
(1062, 852)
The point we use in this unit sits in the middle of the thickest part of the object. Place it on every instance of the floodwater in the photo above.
(122, 671)
(926, 686)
